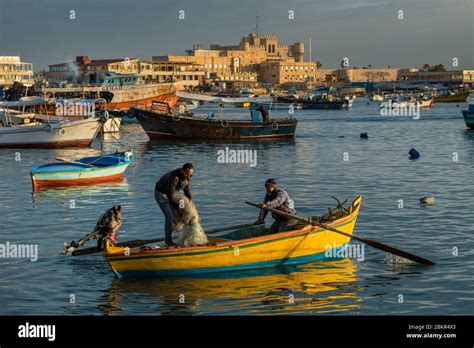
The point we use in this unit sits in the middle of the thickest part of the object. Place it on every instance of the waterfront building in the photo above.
(83, 70)
(450, 77)
(12, 70)
(351, 75)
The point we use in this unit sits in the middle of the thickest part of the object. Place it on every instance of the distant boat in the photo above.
(161, 122)
(325, 104)
(425, 103)
(452, 96)
(321, 101)
(83, 171)
(469, 113)
(377, 97)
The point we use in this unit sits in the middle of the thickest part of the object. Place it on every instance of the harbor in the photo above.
(195, 167)
(378, 169)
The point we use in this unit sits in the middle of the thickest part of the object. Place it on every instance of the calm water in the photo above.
(311, 168)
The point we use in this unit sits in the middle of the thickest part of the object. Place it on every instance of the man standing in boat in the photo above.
(169, 184)
(279, 199)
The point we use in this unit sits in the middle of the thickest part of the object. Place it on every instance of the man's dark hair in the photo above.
(187, 166)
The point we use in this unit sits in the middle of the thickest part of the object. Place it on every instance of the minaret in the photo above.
(256, 28)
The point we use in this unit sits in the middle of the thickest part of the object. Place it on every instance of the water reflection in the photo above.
(47, 193)
(316, 288)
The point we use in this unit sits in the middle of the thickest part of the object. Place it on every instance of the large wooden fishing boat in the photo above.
(160, 121)
(238, 250)
(121, 91)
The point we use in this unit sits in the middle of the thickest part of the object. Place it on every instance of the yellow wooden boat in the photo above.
(238, 250)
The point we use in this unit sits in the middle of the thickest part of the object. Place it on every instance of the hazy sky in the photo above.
(366, 31)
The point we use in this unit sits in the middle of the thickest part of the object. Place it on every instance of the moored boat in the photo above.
(452, 96)
(376, 97)
(160, 122)
(40, 132)
(83, 171)
(425, 102)
(238, 250)
(121, 91)
(469, 113)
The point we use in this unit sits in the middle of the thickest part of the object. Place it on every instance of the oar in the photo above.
(139, 242)
(73, 162)
(370, 242)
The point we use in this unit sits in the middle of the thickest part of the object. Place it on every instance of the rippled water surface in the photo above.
(311, 168)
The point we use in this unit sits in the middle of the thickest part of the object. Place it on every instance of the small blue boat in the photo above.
(83, 171)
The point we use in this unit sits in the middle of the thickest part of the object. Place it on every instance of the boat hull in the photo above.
(77, 133)
(323, 106)
(468, 118)
(162, 126)
(75, 174)
(308, 244)
(458, 98)
(119, 97)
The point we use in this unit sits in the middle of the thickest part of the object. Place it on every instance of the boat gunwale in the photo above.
(216, 122)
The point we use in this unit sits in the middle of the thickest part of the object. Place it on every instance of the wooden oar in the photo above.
(139, 242)
(370, 242)
(73, 162)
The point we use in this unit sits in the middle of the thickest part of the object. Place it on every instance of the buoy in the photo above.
(368, 103)
(364, 136)
(457, 105)
(427, 200)
(414, 154)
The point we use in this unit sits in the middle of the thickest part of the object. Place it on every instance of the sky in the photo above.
(367, 32)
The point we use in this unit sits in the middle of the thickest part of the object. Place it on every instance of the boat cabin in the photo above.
(119, 80)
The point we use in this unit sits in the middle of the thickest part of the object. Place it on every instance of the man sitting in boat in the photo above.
(279, 199)
(169, 184)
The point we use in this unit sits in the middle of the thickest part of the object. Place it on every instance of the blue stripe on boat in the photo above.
(195, 271)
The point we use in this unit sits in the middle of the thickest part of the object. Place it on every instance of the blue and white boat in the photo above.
(83, 171)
